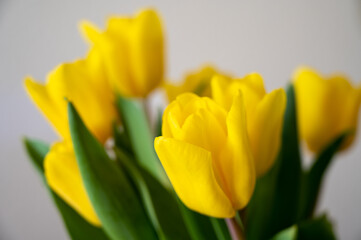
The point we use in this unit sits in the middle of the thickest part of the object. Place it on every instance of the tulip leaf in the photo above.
(287, 234)
(110, 192)
(312, 179)
(160, 204)
(37, 151)
(137, 127)
(221, 229)
(274, 205)
(318, 228)
(158, 126)
(77, 227)
(199, 226)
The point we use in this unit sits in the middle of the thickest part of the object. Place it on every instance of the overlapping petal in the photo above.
(264, 113)
(217, 152)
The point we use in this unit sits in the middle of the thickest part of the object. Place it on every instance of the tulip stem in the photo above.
(234, 229)
(147, 110)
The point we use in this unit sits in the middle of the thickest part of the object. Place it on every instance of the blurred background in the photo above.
(237, 36)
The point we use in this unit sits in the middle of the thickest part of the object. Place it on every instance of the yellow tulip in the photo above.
(264, 114)
(196, 82)
(132, 50)
(63, 176)
(206, 154)
(326, 107)
(82, 82)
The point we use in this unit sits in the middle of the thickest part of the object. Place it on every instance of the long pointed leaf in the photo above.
(137, 127)
(110, 192)
(159, 202)
(312, 180)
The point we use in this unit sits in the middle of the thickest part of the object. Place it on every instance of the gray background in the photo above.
(238, 36)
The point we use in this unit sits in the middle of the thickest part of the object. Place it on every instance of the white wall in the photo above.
(238, 36)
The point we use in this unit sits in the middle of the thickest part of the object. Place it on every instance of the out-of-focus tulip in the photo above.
(82, 82)
(206, 154)
(63, 176)
(198, 82)
(132, 50)
(327, 107)
(264, 114)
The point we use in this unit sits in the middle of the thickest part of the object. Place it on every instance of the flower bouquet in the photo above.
(222, 161)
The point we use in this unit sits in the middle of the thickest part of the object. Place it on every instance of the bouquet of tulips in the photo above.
(222, 161)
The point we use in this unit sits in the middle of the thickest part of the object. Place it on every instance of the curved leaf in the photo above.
(110, 192)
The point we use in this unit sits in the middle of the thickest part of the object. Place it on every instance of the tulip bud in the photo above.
(206, 154)
(82, 82)
(326, 106)
(132, 50)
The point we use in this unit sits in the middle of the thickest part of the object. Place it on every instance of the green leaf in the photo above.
(221, 229)
(160, 204)
(287, 234)
(141, 139)
(312, 180)
(319, 228)
(274, 204)
(77, 227)
(158, 127)
(199, 226)
(111, 194)
(37, 151)
(314, 229)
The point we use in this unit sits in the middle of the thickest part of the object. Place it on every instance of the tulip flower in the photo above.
(83, 82)
(63, 176)
(327, 107)
(206, 154)
(132, 50)
(197, 82)
(264, 115)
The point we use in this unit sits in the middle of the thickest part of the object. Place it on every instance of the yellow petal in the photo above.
(90, 32)
(53, 110)
(146, 51)
(88, 91)
(326, 107)
(190, 171)
(219, 86)
(63, 176)
(197, 82)
(266, 128)
(237, 164)
(204, 130)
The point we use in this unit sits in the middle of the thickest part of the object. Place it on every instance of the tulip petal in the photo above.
(238, 168)
(326, 108)
(190, 170)
(146, 51)
(219, 85)
(266, 128)
(63, 176)
(54, 112)
(75, 82)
